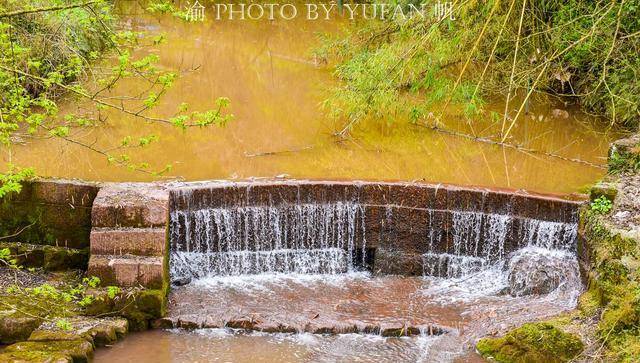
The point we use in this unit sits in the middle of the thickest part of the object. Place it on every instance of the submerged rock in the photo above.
(181, 281)
(533, 342)
(536, 271)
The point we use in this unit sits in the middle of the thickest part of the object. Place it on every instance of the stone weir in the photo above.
(225, 228)
(231, 228)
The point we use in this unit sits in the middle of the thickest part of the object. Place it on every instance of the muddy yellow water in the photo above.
(267, 70)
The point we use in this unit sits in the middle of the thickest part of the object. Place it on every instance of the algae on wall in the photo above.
(49, 212)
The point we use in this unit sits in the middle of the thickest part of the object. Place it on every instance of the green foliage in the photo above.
(10, 181)
(601, 205)
(582, 50)
(624, 162)
(112, 291)
(64, 325)
(6, 258)
(52, 302)
(45, 55)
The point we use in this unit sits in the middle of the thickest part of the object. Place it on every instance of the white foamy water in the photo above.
(489, 257)
(479, 265)
(290, 238)
(266, 282)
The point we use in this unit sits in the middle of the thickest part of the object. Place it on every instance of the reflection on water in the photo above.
(266, 69)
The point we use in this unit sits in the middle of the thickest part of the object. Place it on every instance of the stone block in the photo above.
(15, 328)
(79, 350)
(99, 267)
(131, 205)
(151, 273)
(64, 192)
(133, 241)
(52, 224)
(129, 271)
(603, 189)
(388, 262)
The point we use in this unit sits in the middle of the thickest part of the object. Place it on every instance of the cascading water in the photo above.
(290, 238)
(542, 259)
(280, 260)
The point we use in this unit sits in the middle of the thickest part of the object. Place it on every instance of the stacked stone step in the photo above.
(129, 235)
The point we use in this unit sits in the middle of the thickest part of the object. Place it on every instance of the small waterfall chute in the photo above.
(290, 238)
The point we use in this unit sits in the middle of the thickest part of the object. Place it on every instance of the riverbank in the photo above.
(607, 319)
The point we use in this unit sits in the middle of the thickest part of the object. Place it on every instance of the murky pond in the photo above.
(267, 70)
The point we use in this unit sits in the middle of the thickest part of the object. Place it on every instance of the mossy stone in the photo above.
(35, 357)
(80, 350)
(59, 259)
(532, 343)
(138, 308)
(602, 189)
(51, 258)
(15, 328)
(46, 335)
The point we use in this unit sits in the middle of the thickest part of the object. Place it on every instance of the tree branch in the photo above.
(51, 8)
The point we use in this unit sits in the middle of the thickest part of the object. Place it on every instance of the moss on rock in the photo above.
(35, 357)
(614, 280)
(624, 155)
(50, 258)
(15, 327)
(603, 189)
(137, 306)
(17, 320)
(533, 342)
(79, 350)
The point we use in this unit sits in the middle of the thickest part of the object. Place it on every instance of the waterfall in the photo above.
(549, 235)
(479, 241)
(289, 238)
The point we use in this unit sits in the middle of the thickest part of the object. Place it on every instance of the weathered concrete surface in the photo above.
(53, 212)
(398, 194)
